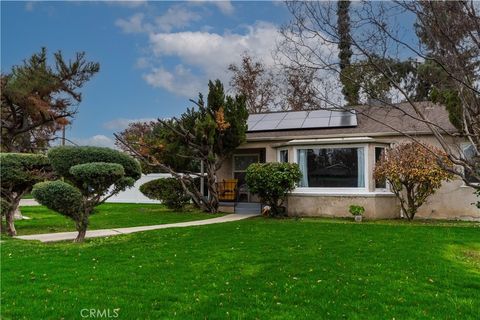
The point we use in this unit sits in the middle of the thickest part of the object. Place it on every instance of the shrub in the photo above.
(272, 182)
(414, 173)
(18, 173)
(356, 210)
(168, 190)
(92, 175)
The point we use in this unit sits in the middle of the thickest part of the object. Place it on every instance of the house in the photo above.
(336, 151)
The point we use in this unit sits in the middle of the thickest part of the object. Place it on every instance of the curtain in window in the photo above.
(361, 167)
(302, 162)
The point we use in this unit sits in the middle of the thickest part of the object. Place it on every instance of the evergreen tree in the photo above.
(350, 89)
(207, 133)
(37, 99)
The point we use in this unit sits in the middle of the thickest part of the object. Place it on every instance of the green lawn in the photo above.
(111, 215)
(252, 269)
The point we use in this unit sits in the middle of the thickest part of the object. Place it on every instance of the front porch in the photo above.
(232, 188)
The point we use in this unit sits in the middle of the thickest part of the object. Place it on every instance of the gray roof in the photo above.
(372, 120)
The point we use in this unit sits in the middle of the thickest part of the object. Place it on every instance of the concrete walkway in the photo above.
(60, 236)
(29, 202)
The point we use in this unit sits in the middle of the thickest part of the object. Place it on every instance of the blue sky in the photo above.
(154, 56)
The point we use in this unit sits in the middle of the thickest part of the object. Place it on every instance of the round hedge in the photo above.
(167, 190)
(65, 157)
(59, 196)
(18, 169)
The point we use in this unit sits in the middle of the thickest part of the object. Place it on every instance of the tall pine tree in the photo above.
(350, 88)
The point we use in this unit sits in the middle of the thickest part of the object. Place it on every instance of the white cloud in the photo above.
(176, 17)
(132, 25)
(225, 6)
(180, 81)
(97, 140)
(209, 53)
(122, 123)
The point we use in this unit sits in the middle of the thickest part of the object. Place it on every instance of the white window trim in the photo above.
(283, 149)
(346, 191)
(387, 185)
(464, 146)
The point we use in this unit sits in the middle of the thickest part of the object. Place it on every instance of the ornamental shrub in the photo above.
(91, 176)
(167, 190)
(18, 173)
(272, 182)
(414, 172)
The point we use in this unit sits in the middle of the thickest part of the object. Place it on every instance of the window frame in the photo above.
(279, 151)
(464, 146)
(240, 155)
(327, 190)
(387, 185)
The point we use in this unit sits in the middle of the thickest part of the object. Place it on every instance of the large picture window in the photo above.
(332, 167)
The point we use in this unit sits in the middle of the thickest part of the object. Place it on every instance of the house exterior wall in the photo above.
(452, 201)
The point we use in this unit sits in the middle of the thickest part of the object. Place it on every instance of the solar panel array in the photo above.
(301, 120)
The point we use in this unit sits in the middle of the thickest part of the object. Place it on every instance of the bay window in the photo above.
(332, 167)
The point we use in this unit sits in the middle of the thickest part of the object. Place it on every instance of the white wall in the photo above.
(133, 195)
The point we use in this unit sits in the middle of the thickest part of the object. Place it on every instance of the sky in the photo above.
(154, 56)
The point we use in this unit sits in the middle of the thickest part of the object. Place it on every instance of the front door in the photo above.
(240, 165)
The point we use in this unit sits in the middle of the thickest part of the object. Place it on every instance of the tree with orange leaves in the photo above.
(37, 99)
(414, 173)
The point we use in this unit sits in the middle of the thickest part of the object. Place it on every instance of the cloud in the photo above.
(208, 53)
(180, 80)
(176, 17)
(97, 140)
(122, 123)
(225, 6)
(132, 25)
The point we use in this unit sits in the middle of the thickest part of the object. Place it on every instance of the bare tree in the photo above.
(297, 89)
(377, 38)
(255, 81)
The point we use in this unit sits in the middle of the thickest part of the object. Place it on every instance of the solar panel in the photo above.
(274, 116)
(320, 114)
(290, 124)
(266, 125)
(316, 123)
(297, 115)
(301, 119)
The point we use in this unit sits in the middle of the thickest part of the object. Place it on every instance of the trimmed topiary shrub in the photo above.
(91, 176)
(272, 182)
(18, 173)
(167, 190)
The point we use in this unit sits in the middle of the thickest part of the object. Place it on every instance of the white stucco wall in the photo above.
(133, 195)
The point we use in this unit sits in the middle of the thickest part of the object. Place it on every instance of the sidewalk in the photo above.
(61, 236)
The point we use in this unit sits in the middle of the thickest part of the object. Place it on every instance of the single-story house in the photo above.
(336, 151)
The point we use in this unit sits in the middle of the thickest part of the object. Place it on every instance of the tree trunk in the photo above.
(212, 188)
(82, 226)
(10, 224)
(10, 216)
(81, 235)
(17, 215)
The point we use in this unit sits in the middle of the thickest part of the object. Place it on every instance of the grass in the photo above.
(110, 215)
(252, 269)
